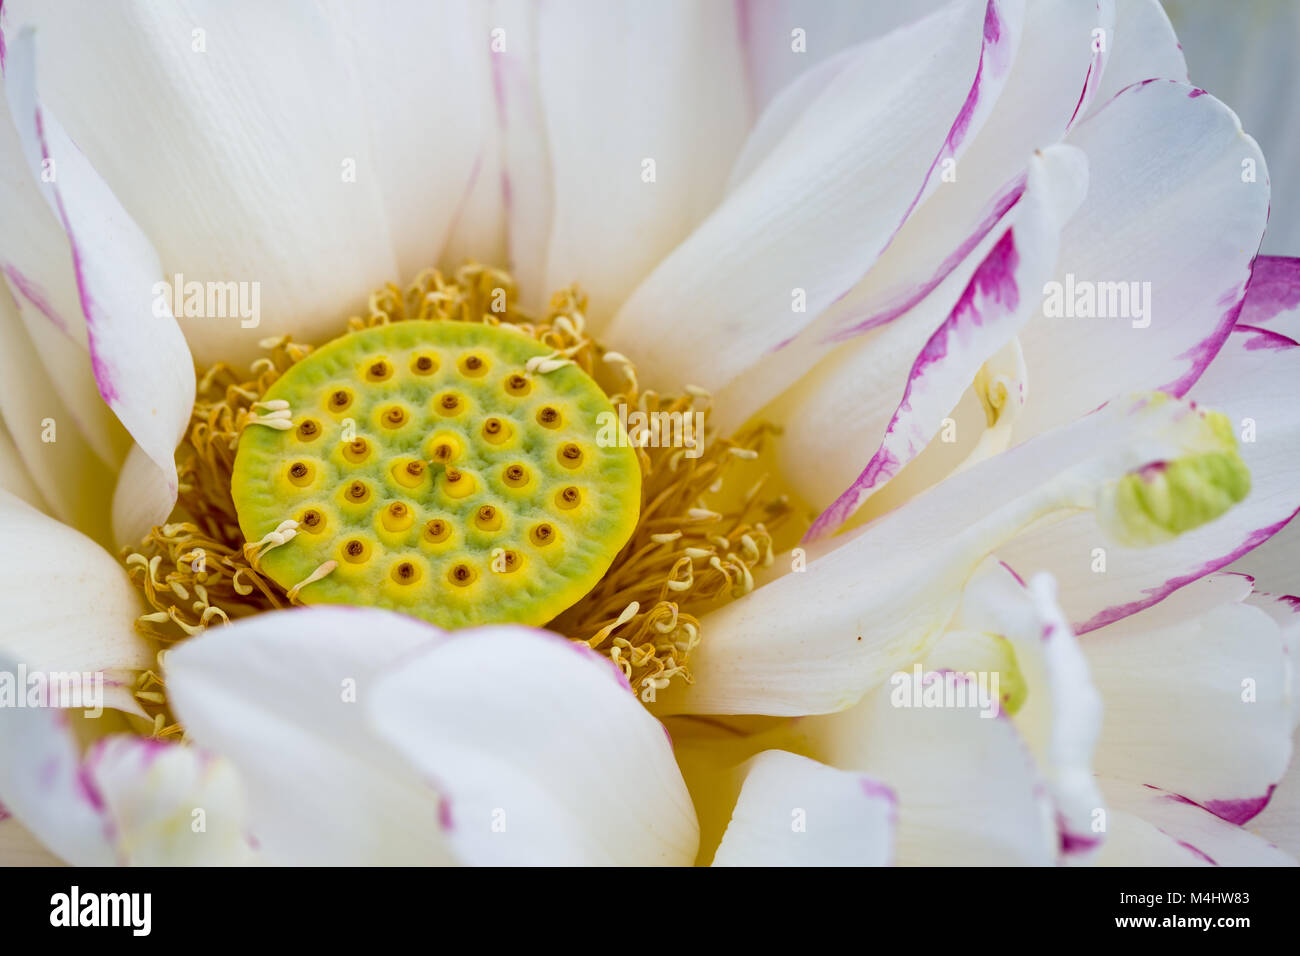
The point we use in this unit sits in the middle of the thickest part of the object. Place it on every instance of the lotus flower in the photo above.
(999, 404)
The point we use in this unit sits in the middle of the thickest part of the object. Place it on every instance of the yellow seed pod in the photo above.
(440, 476)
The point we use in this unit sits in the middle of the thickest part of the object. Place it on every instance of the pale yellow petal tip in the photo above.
(1164, 499)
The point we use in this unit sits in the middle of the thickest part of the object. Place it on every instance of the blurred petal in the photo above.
(171, 805)
(1244, 53)
(44, 785)
(794, 811)
(282, 696)
(540, 749)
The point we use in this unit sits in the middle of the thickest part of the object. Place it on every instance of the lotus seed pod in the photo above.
(430, 471)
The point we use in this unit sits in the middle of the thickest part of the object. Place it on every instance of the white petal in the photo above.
(1284, 609)
(282, 696)
(1244, 53)
(1279, 823)
(777, 56)
(949, 232)
(171, 805)
(251, 126)
(68, 603)
(999, 298)
(527, 182)
(130, 800)
(431, 127)
(1187, 224)
(1252, 382)
(623, 86)
(1061, 715)
(818, 211)
(968, 791)
(141, 364)
(794, 811)
(37, 266)
(871, 600)
(1152, 828)
(540, 748)
(141, 499)
(1197, 698)
(70, 476)
(44, 785)
(1143, 47)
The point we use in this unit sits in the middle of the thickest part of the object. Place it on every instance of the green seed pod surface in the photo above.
(443, 478)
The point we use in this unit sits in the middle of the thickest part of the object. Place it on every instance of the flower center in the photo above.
(436, 469)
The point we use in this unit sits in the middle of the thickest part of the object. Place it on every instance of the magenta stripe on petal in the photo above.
(994, 63)
(1274, 288)
(993, 282)
(103, 374)
(1001, 204)
(1157, 594)
(34, 294)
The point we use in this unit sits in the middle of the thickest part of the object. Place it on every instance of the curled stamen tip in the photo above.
(312, 578)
